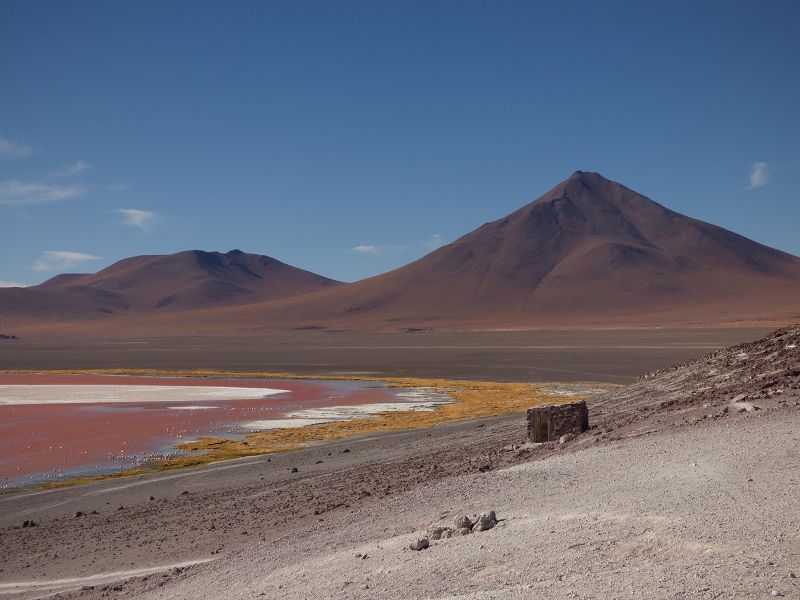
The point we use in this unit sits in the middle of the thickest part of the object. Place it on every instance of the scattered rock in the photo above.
(151, 498)
(293, 470)
(184, 493)
(419, 544)
(463, 525)
(346, 450)
(29, 523)
(775, 593)
(740, 407)
(485, 521)
(529, 446)
(79, 514)
(437, 533)
(567, 437)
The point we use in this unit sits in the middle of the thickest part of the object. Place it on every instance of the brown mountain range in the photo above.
(144, 285)
(590, 252)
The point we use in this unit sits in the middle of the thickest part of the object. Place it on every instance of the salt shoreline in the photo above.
(414, 399)
(26, 394)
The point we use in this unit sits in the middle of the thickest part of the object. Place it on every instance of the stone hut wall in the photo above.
(548, 423)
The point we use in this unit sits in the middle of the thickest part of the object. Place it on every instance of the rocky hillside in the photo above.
(744, 378)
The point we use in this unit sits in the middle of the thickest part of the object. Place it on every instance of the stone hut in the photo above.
(550, 422)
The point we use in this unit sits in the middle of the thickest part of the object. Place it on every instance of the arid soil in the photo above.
(668, 495)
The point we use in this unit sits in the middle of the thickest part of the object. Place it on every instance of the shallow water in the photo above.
(53, 427)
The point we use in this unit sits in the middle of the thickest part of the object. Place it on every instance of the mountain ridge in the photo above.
(588, 252)
(186, 280)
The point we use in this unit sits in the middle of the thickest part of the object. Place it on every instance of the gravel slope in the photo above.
(705, 512)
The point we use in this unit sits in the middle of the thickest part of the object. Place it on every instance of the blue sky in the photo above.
(349, 138)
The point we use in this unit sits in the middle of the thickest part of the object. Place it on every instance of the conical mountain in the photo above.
(590, 252)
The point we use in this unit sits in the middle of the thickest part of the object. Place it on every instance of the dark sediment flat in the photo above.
(617, 356)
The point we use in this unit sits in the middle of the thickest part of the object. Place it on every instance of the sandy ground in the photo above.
(709, 513)
(615, 356)
(693, 511)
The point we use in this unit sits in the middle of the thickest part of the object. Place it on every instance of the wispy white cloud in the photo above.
(759, 175)
(433, 242)
(20, 193)
(143, 220)
(8, 284)
(73, 169)
(54, 260)
(365, 249)
(11, 149)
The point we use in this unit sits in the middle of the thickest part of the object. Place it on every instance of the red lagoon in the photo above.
(41, 442)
